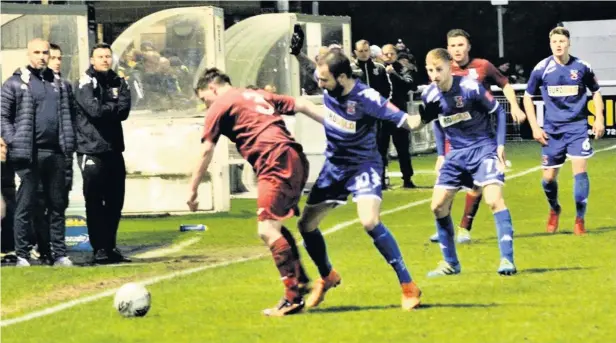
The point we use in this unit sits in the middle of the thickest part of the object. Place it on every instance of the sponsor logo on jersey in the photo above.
(459, 101)
(562, 91)
(340, 123)
(350, 107)
(454, 119)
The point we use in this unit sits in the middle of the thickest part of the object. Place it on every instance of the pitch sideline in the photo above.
(157, 279)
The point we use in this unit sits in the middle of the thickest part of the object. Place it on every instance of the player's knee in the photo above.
(369, 222)
(495, 204)
(439, 209)
(305, 224)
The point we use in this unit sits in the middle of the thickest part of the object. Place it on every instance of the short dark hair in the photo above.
(53, 46)
(100, 46)
(459, 33)
(337, 63)
(560, 31)
(212, 75)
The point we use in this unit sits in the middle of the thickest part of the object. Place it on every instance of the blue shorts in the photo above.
(336, 182)
(562, 145)
(468, 167)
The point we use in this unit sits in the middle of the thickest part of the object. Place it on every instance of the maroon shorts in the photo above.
(281, 182)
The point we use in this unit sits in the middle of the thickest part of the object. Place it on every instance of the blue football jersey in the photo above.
(350, 124)
(563, 89)
(467, 108)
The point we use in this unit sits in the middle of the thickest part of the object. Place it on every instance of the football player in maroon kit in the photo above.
(459, 46)
(252, 120)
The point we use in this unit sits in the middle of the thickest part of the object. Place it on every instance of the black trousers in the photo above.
(48, 169)
(402, 143)
(104, 180)
(8, 193)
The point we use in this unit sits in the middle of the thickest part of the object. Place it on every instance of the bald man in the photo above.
(38, 130)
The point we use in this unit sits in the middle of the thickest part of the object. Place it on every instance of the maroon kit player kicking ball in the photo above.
(251, 119)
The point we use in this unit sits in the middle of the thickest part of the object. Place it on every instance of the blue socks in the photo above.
(444, 228)
(504, 232)
(387, 245)
(551, 192)
(581, 189)
(315, 246)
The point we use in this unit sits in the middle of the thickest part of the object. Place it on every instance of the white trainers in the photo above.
(464, 236)
(63, 262)
(434, 238)
(22, 262)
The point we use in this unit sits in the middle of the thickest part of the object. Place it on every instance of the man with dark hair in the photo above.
(252, 120)
(353, 165)
(38, 128)
(103, 102)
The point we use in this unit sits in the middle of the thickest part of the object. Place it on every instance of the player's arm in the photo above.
(439, 136)
(289, 105)
(590, 81)
(501, 80)
(211, 134)
(531, 89)
(489, 104)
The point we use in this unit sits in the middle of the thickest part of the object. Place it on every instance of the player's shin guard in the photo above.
(504, 230)
(287, 266)
(301, 272)
(315, 246)
(581, 190)
(470, 210)
(551, 192)
(387, 245)
(444, 227)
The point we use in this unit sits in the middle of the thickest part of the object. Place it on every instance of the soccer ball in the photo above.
(132, 300)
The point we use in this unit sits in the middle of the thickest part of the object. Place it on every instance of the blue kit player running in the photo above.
(352, 166)
(476, 157)
(563, 80)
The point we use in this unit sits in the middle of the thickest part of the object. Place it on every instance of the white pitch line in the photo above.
(338, 227)
(170, 250)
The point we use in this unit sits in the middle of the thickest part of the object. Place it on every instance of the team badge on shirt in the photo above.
(375, 71)
(350, 109)
(459, 101)
(573, 74)
(114, 92)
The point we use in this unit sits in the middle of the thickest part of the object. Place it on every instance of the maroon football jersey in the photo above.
(481, 70)
(251, 119)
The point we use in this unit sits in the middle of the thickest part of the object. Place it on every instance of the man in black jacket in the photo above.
(401, 83)
(103, 101)
(37, 126)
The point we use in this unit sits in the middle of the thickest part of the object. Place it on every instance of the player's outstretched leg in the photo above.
(441, 205)
(473, 199)
(292, 301)
(504, 228)
(550, 187)
(368, 210)
(581, 190)
(317, 250)
(302, 276)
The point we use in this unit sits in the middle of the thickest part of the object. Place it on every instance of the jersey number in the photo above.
(262, 106)
(586, 145)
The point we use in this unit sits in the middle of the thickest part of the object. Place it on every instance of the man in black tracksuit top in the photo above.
(103, 101)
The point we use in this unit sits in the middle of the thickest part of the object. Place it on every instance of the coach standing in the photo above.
(103, 101)
(38, 129)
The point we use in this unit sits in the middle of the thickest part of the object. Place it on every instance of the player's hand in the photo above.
(439, 164)
(500, 153)
(430, 111)
(192, 202)
(598, 128)
(540, 136)
(390, 69)
(3, 150)
(518, 115)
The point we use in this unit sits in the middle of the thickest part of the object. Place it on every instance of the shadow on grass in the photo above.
(558, 269)
(354, 308)
(597, 231)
